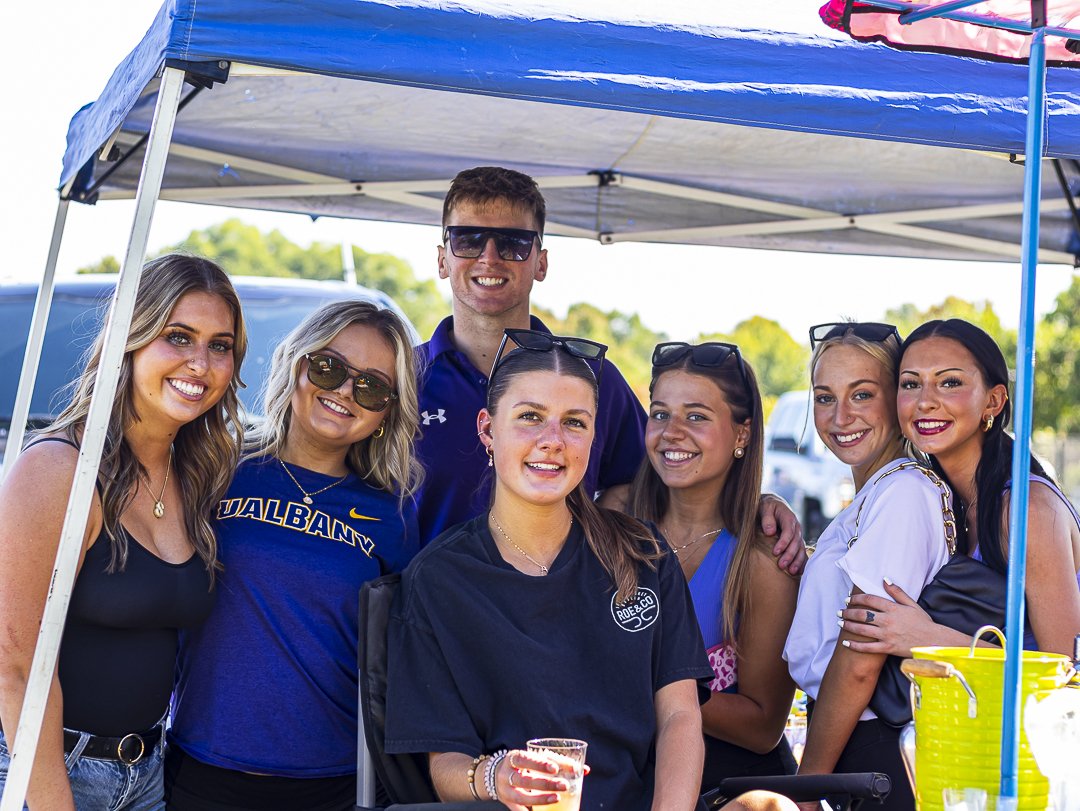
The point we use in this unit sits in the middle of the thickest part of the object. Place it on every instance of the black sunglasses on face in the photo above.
(536, 341)
(867, 330)
(469, 241)
(710, 355)
(328, 373)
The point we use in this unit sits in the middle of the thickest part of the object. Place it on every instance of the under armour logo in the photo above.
(440, 416)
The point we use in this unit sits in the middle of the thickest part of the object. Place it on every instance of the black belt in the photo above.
(128, 749)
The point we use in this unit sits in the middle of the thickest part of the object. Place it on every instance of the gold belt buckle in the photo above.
(123, 742)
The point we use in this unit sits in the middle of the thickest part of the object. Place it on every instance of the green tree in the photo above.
(779, 361)
(243, 250)
(1057, 368)
(107, 264)
(630, 343)
(981, 313)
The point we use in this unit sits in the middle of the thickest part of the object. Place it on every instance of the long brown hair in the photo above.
(738, 499)
(205, 450)
(618, 541)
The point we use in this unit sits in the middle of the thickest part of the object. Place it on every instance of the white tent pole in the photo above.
(32, 356)
(93, 443)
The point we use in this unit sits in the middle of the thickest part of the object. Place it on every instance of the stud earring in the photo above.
(739, 453)
(989, 423)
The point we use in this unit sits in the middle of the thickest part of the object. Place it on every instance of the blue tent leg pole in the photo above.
(1025, 360)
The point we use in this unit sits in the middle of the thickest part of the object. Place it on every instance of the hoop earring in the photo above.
(378, 432)
(739, 453)
(989, 423)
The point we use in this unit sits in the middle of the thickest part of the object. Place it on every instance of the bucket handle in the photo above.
(931, 669)
(986, 629)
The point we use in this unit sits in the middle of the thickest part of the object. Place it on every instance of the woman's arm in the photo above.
(680, 749)
(754, 717)
(845, 692)
(450, 776)
(1051, 592)
(895, 627)
(33, 502)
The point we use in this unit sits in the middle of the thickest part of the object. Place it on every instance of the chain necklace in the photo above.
(699, 539)
(543, 569)
(307, 495)
(159, 505)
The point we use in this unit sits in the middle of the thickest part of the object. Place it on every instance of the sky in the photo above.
(58, 56)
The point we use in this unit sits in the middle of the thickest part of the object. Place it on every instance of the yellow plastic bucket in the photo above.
(957, 695)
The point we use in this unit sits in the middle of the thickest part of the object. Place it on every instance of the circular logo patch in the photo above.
(636, 614)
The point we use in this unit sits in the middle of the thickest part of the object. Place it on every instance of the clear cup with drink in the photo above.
(569, 755)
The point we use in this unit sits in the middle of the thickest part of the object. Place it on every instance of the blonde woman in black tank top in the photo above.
(148, 558)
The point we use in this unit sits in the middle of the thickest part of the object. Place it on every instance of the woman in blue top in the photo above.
(700, 486)
(265, 711)
(148, 549)
(953, 403)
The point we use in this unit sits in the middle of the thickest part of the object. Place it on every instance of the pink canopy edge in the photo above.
(867, 22)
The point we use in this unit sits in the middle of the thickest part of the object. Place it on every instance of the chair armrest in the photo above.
(808, 787)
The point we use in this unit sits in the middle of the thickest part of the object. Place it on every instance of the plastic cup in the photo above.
(569, 753)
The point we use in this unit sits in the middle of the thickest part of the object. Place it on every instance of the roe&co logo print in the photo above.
(636, 614)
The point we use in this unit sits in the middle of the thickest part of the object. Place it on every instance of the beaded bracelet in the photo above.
(471, 774)
(489, 774)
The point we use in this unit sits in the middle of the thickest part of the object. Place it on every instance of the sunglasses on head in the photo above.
(328, 373)
(867, 330)
(709, 355)
(537, 341)
(469, 241)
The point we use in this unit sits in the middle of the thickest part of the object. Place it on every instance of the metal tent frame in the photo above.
(418, 199)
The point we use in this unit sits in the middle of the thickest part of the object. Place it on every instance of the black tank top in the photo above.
(118, 654)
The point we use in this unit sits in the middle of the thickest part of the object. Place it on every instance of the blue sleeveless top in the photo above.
(707, 590)
(1029, 636)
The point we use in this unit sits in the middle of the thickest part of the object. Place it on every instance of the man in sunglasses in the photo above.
(492, 253)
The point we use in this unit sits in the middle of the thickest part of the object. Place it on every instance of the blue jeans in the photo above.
(107, 785)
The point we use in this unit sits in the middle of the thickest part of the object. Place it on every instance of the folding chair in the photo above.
(388, 782)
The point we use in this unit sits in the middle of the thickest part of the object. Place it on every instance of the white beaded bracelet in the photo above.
(489, 774)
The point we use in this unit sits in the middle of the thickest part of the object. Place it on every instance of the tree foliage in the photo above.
(243, 250)
(1057, 368)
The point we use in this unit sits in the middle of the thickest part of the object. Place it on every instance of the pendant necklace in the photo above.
(307, 496)
(159, 505)
(688, 544)
(543, 569)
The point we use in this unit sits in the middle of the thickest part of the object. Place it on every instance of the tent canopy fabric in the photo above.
(671, 133)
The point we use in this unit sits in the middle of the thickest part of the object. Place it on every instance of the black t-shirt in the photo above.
(483, 657)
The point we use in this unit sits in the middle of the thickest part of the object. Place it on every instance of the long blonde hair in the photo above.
(205, 451)
(737, 502)
(388, 462)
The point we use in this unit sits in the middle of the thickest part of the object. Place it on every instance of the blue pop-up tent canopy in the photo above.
(658, 133)
(668, 131)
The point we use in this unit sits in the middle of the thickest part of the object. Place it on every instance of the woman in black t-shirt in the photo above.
(549, 617)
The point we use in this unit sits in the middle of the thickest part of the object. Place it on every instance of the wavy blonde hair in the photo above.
(206, 449)
(388, 462)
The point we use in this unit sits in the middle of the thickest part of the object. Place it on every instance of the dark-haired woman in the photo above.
(548, 616)
(953, 403)
(700, 485)
(148, 550)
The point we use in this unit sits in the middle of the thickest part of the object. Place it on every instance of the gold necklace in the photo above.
(307, 496)
(159, 505)
(543, 569)
(688, 544)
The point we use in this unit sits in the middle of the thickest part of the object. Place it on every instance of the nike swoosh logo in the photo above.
(354, 514)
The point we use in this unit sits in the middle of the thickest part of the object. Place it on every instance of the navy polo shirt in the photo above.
(458, 481)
